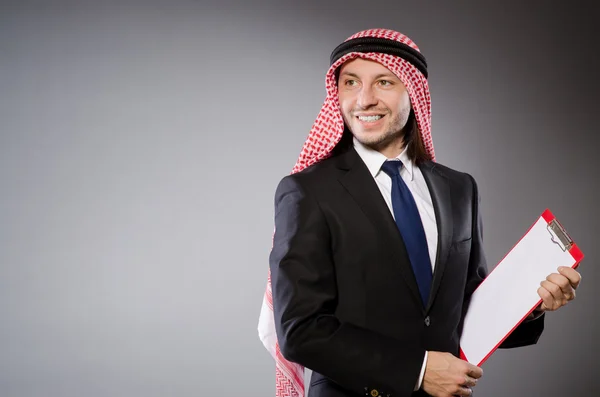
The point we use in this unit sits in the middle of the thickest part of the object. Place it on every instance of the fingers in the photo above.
(562, 282)
(447, 375)
(571, 274)
(463, 391)
(474, 371)
(469, 382)
(548, 302)
(559, 288)
(557, 297)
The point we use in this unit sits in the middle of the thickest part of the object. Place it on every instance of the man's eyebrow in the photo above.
(385, 75)
(350, 74)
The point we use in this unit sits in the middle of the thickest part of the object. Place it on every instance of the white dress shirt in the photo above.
(412, 176)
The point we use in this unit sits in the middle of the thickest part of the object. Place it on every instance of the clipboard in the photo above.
(502, 301)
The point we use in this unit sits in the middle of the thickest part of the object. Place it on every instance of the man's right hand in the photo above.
(448, 376)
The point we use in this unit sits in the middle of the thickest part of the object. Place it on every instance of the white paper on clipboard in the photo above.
(509, 293)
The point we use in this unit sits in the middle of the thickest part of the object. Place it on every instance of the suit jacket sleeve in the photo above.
(529, 331)
(304, 301)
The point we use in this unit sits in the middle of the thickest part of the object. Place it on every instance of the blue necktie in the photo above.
(409, 223)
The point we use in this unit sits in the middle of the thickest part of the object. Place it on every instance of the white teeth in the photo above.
(369, 118)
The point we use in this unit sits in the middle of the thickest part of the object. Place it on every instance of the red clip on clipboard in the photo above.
(509, 293)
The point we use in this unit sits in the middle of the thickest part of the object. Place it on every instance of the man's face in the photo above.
(374, 102)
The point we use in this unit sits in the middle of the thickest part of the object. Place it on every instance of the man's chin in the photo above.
(377, 141)
(369, 138)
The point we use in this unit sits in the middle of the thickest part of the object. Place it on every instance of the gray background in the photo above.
(141, 143)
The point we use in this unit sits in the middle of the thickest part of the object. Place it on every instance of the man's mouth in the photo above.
(370, 119)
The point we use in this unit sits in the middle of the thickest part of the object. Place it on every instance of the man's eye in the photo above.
(351, 82)
(385, 83)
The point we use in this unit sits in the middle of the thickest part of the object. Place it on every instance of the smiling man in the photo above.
(377, 247)
(375, 105)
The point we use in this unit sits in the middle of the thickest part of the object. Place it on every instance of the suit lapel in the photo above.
(440, 195)
(360, 184)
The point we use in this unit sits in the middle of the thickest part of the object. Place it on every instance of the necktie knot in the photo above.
(392, 167)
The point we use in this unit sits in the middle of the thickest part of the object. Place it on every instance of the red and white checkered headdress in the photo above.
(325, 134)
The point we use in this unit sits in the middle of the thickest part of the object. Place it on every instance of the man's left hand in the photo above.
(558, 289)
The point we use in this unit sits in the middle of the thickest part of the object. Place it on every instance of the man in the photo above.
(377, 248)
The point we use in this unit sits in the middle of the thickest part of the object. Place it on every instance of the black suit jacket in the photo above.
(345, 299)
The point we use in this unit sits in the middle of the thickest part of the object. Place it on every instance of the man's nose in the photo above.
(366, 98)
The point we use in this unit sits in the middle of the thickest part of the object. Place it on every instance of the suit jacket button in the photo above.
(427, 321)
(374, 393)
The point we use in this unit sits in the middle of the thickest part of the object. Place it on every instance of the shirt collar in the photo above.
(374, 160)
